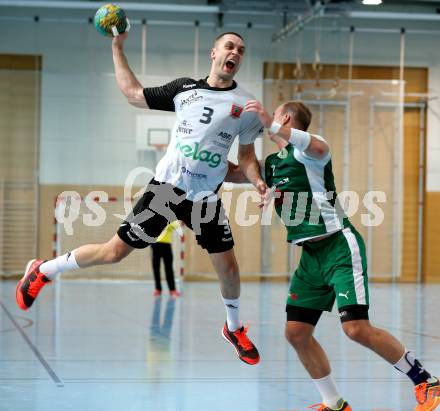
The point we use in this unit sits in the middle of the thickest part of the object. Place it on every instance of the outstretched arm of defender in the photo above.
(310, 144)
(127, 81)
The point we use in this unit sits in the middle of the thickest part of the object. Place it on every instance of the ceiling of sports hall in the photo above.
(275, 15)
(335, 6)
(259, 6)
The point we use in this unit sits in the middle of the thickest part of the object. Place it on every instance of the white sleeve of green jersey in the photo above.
(324, 160)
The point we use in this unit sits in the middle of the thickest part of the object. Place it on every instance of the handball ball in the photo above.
(109, 16)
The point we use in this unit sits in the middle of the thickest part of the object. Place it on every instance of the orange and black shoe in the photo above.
(244, 347)
(427, 396)
(30, 285)
(323, 407)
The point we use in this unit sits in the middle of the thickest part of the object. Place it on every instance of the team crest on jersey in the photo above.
(283, 153)
(236, 110)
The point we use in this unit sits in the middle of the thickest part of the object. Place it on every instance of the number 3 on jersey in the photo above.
(207, 115)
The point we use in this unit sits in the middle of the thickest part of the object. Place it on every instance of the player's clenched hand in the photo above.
(266, 198)
(256, 107)
(118, 41)
(261, 187)
(264, 192)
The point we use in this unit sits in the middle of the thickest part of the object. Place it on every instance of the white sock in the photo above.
(405, 363)
(232, 313)
(329, 393)
(58, 265)
(410, 366)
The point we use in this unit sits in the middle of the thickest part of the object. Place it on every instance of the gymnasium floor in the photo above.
(112, 346)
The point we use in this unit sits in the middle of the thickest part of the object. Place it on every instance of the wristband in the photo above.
(300, 139)
(274, 127)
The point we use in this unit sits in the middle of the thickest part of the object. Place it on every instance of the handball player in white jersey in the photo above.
(210, 115)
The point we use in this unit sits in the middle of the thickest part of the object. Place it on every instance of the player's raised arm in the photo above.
(285, 124)
(127, 81)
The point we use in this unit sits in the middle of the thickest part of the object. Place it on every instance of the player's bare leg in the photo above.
(380, 341)
(310, 352)
(427, 387)
(226, 267)
(38, 273)
(110, 252)
(315, 361)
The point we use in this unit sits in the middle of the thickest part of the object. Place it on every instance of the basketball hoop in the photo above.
(160, 147)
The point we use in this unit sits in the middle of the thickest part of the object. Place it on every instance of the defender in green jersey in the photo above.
(333, 261)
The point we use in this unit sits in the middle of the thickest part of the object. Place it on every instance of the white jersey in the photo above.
(208, 121)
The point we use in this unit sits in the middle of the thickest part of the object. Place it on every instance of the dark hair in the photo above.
(224, 34)
(300, 112)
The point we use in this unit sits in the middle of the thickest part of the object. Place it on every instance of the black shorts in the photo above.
(312, 316)
(161, 204)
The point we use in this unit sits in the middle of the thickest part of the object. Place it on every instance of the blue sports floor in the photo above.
(111, 346)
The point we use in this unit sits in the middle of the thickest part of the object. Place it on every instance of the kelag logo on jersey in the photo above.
(190, 151)
(191, 99)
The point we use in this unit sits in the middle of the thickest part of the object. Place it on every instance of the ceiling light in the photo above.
(371, 2)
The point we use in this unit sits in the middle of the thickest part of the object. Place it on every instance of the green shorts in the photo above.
(329, 269)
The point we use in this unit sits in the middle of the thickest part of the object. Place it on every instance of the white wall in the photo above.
(88, 129)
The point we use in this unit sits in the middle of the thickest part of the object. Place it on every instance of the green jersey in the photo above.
(305, 195)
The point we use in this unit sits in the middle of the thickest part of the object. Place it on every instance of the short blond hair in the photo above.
(300, 112)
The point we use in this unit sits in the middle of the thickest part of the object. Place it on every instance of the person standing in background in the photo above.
(162, 250)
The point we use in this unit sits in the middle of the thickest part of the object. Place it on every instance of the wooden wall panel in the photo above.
(411, 182)
(20, 62)
(416, 77)
(432, 238)
(197, 262)
(48, 194)
(19, 124)
(20, 79)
